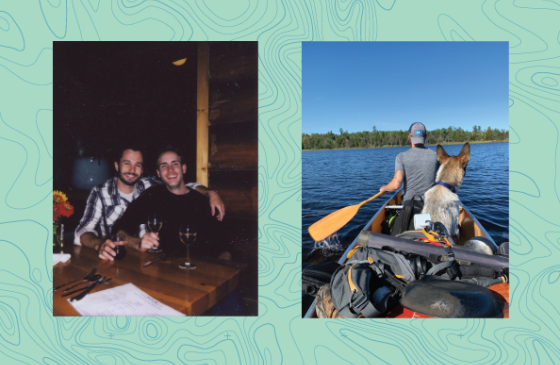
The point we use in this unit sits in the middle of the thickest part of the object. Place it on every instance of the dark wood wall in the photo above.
(233, 126)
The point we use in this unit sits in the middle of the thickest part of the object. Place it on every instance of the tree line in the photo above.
(377, 138)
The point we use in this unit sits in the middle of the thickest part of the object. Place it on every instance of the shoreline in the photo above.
(367, 148)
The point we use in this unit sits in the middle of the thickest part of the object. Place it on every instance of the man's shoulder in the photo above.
(153, 190)
(405, 154)
(197, 195)
(427, 152)
(147, 181)
(150, 181)
(103, 187)
(414, 152)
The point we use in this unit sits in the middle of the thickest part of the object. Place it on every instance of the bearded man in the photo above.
(108, 202)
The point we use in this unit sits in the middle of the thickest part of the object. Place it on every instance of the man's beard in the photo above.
(124, 181)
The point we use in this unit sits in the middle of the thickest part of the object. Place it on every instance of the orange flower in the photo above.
(66, 209)
(61, 206)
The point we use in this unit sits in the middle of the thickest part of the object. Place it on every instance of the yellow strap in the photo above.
(433, 236)
(429, 235)
(352, 251)
(352, 286)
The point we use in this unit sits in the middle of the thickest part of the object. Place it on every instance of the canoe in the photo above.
(469, 227)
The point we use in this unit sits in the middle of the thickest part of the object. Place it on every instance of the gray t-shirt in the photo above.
(420, 166)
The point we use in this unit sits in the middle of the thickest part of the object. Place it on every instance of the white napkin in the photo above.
(60, 257)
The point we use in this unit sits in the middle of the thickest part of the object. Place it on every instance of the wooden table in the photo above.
(191, 292)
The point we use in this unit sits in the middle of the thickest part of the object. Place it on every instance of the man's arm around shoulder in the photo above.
(216, 203)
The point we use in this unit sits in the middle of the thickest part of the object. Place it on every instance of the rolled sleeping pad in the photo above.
(376, 240)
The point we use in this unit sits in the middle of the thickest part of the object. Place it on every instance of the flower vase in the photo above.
(58, 232)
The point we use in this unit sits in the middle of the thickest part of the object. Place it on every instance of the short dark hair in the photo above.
(120, 152)
(169, 148)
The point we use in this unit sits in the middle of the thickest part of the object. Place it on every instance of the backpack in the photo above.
(368, 282)
(373, 280)
(404, 221)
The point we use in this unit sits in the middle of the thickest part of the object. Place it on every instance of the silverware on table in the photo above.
(85, 287)
(91, 280)
(85, 292)
(74, 281)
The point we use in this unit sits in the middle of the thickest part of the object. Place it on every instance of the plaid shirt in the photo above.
(105, 201)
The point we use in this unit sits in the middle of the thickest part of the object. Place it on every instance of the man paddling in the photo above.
(415, 170)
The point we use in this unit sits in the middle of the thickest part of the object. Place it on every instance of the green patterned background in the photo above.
(29, 333)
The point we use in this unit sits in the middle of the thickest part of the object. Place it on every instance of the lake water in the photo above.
(334, 179)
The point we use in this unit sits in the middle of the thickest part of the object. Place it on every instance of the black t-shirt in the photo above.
(191, 208)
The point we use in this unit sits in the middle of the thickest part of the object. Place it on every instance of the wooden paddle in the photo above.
(335, 221)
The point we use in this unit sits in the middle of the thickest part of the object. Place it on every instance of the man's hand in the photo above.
(107, 252)
(384, 190)
(216, 204)
(149, 240)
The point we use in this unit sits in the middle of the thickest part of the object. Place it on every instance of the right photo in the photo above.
(405, 180)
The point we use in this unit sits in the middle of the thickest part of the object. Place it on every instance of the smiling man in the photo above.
(108, 202)
(175, 202)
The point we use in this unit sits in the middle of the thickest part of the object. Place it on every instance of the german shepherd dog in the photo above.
(441, 201)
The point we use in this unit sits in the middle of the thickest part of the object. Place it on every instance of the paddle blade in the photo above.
(332, 223)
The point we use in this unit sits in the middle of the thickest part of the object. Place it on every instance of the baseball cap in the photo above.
(417, 133)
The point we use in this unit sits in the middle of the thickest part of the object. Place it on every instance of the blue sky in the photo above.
(390, 85)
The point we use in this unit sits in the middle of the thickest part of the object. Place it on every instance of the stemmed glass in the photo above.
(154, 225)
(187, 233)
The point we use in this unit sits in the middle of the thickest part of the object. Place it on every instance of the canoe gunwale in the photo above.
(480, 226)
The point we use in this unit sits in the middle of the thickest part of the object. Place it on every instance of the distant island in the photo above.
(375, 138)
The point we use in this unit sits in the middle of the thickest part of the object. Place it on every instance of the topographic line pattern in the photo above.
(29, 333)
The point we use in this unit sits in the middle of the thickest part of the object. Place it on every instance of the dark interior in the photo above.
(107, 94)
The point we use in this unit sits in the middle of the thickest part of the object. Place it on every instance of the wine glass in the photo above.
(154, 225)
(187, 233)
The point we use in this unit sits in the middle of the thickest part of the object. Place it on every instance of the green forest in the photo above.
(375, 138)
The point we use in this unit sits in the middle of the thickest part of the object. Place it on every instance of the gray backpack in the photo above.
(374, 279)
(363, 285)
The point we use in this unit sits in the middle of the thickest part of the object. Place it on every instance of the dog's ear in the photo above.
(465, 154)
(442, 156)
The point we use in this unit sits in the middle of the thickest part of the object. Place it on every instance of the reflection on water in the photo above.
(338, 178)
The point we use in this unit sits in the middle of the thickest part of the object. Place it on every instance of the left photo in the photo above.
(155, 179)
